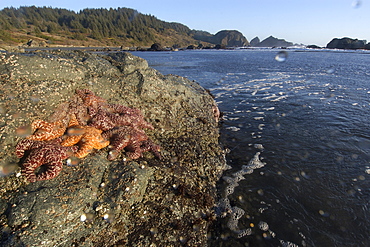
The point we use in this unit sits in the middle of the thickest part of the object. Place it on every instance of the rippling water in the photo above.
(308, 116)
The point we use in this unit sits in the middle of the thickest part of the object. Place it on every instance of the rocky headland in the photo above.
(149, 201)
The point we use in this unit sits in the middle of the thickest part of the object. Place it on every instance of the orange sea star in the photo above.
(45, 131)
(88, 138)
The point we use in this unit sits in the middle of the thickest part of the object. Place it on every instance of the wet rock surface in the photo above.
(146, 202)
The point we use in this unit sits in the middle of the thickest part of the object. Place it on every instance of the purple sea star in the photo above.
(108, 116)
(49, 154)
(133, 140)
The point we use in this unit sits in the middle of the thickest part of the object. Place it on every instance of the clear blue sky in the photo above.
(298, 21)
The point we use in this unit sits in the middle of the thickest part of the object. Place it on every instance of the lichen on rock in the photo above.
(98, 202)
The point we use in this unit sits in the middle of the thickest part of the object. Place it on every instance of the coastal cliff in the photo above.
(98, 202)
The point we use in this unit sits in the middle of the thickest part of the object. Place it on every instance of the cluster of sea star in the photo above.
(85, 123)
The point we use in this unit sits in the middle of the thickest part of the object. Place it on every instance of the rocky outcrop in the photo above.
(346, 43)
(230, 38)
(227, 38)
(97, 202)
(255, 41)
(274, 42)
(156, 47)
(314, 47)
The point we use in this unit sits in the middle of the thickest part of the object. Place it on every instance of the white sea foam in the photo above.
(224, 207)
(269, 108)
(233, 128)
(271, 96)
(280, 98)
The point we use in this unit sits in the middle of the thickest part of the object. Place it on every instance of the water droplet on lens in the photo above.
(73, 131)
(183, 240)
(83, 217)
(281, 56)
(153, 230)
(73, 161)
(361, 177)
(356, 4)
(112, 154)
(323, 213)
(109, 218)
(7, 169)
(35, 99)
(23, 131)
(86, 217)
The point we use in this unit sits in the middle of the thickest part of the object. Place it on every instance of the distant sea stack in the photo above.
(347, 43)
(230, 38)
(227, 38)
(255, 41)
(271, 42)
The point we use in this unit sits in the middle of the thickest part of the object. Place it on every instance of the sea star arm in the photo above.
(91, 139)
(45, 131)
(149, 145)
(134, 151)
(33, 161)
(87, 148)
(100, 119)
(71, 140)
(53, 168)
(125, 116)
(89, 98)
(23, 146)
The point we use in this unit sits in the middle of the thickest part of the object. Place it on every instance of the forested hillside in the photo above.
(122, 26)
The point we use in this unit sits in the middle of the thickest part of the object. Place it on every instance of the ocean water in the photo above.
(303, 117)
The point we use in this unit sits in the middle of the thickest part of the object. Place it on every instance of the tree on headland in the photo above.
(122, 24)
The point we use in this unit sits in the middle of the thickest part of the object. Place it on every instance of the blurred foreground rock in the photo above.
(146, 202)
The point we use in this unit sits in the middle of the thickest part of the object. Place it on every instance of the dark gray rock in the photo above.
(274, 42)
(314, 47)
(156, 47)
(98, 202)
(255, 41)
(346, 43)
(230, 38)
(227, 38)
